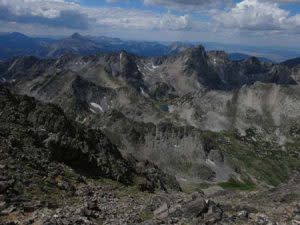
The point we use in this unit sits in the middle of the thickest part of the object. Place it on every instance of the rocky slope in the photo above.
(215, 124)
(53, 170)
(31, 128)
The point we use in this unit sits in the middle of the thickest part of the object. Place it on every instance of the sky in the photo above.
(253, 22)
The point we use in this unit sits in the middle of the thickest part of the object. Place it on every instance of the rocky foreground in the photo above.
(56, 171)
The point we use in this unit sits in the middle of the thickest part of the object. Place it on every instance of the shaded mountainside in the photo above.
(38, 128)
(292, 62)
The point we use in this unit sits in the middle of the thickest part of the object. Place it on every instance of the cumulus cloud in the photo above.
(72, 15)
(257, 15)
(51, 12)
(137, 19)
(247, 17)
(188, 5)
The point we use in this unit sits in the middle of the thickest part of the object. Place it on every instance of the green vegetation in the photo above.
(146, 215)
(253, 155)
(233, 184)
(191, 187)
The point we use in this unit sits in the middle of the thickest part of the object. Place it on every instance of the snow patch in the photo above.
(144, 93)
(140, 70)
(171, 108)
(208, 161)
(121, 56)
(93, 111)
(96, 106)
(154, 66)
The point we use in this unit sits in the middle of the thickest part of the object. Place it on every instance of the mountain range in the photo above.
(193, 90)
(17, 44)
(169, 120)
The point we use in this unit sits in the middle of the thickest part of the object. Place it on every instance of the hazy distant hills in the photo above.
(240, 56)
(17, 44)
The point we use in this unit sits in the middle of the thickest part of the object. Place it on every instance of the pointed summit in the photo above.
(77, 36)
(253, 60)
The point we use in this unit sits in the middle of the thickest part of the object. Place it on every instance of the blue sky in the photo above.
(253, 22)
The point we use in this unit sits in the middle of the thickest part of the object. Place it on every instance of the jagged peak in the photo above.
(194, 51)
(252, 60)
(77, 36)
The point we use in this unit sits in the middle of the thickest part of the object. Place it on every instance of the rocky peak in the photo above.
(77, 36)
(253, 61)
(195, 53)
(129, 70)
(219, 54)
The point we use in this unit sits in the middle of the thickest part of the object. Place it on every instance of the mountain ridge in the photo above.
(86, 45)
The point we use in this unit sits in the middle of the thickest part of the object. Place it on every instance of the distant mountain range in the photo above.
(17, 44)
(241, 56)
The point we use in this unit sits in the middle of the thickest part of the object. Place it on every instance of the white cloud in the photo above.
(137, 19)
(48, 9)
(257, 15)
(184, 4)
(244, 20)
(73, 15)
